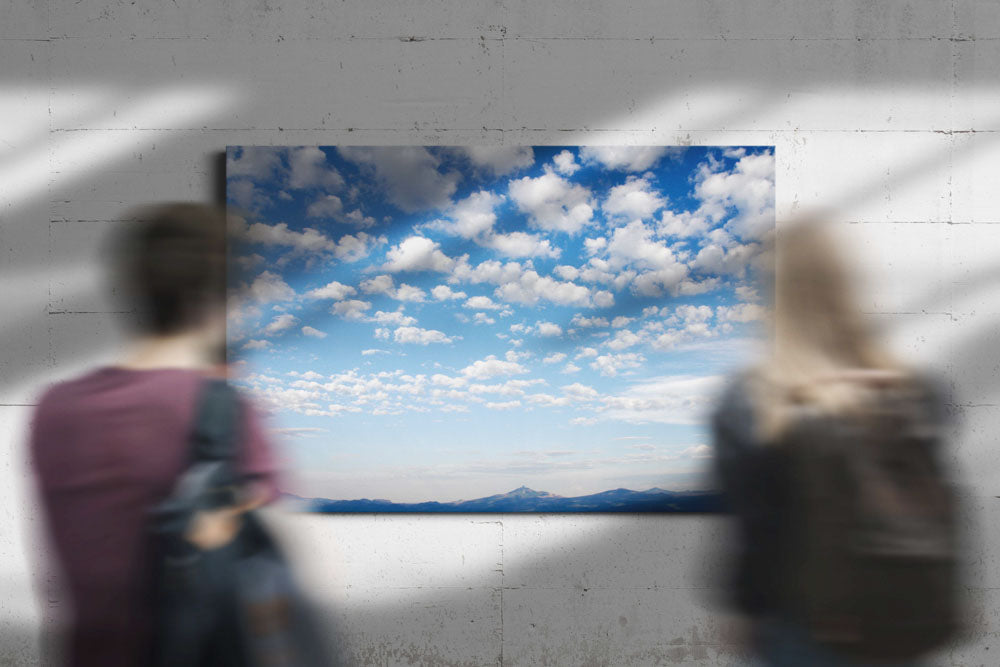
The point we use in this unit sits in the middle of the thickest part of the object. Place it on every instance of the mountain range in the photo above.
(524, 499)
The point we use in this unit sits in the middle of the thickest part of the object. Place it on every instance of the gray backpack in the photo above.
(873, 567)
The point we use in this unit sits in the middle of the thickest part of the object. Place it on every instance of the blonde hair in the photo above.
(825, 357)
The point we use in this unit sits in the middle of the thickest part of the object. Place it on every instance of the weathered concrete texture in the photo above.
(884, 114)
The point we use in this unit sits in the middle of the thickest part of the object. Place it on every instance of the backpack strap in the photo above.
(211, 473)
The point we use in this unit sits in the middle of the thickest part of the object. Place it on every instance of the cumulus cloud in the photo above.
(445, 293)
(257, 162)
(507, 405)
(420, 336)
(498, 160)
(521, 244)
(553, 203)
(549, 329)
(309, 241)
(393, 318)
(409, 293)
(588, 322)
(554, 358)
(492, 367)
(580, 392)
(279, 324)
(257, 345)
(308, 169)
(482, 303)
(612, 364)
(352, 309)
(530, 287)
(627, 158)
(565, 163)
(636, 199)
(327, 206)
(334, 290)
(269, 287)
(741, 312)
(749, 189)
(409, 175)
(313, 332)
(418, 253)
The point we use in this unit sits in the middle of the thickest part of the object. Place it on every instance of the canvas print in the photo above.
(513, 329)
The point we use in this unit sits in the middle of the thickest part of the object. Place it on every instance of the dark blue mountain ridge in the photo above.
(524, 499)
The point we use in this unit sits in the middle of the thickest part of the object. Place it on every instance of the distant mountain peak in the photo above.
(525, 492)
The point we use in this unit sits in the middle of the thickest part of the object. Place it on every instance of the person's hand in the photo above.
(211, 529)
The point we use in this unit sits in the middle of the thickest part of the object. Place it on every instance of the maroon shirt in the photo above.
(107, 447)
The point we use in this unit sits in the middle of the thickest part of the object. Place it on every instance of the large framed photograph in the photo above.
(496, 329)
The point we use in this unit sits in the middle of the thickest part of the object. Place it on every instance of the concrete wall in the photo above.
(883, 112)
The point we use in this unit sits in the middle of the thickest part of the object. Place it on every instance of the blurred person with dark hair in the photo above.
(110, 445)
(829, 454)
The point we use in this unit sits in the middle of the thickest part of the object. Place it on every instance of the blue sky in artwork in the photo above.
(438, 323)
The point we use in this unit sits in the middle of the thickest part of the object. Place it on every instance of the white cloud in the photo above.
(749, 188)
(530, 287)
(308, 169)
(586, 353)
(279, 324)
(381, 284)
(522, 244)
(549, 329)
(565, 163)
(636, 199)
(257, 162)
(611, 364)
(549, 401)
(482, 303)
(499, 160)
(315, 333)
(588, 322)
(334, 290)
(554, 358)
(483, 318)
(492, 367)
(394, 318)
(257, 345)
(472, 216)
(683, 224)
(409, 293)
(508, 405)
(604, 299)
(621, 321)
(268, 287)
(373, 350)
(680, 399)
(409, 175)
(570, 368)
(445, 293)
(352, 309)
(567, 272)
(420, 336)
(246, 195)
(624, 339)
(627, 158)
(418, 253)
(741, 312)
(490, 271)
(594, 246)
(553, 203)
(327, 206)
(580, 392)
(307, 242)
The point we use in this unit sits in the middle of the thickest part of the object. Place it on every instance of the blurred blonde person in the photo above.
(825, 447)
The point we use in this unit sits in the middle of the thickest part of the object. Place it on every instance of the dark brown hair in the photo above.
(171, 262)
